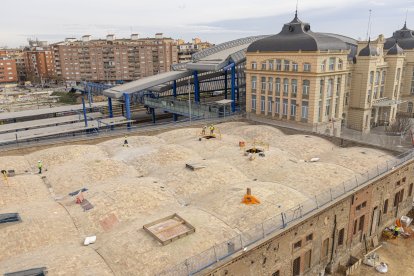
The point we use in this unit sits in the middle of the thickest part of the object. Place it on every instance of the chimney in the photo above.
(110, 37)
(86, 38)
(134, 36)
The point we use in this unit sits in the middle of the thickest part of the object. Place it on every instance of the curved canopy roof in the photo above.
(404, 37)
(297, 36)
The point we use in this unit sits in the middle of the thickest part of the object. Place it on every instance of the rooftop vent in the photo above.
(41, 271)
(9, 217)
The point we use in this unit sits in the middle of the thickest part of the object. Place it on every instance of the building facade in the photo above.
(329, 240)
(324, 81)
(111, 60)
(39, 62)
(187, 49)
(8, 70)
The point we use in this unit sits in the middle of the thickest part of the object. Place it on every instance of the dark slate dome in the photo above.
(368, 51)
(297, 36)
(405, 38)
(395, 50)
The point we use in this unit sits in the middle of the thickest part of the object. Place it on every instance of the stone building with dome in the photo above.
(326, 81)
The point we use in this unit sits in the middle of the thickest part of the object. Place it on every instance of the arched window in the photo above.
(410, 107)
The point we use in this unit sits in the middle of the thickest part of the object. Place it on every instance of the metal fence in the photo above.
(282, 220)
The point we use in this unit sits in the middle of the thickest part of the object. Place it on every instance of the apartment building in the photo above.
(324, 81)
(8, 69)
(187, 49)
(111, 59)
(39, 62)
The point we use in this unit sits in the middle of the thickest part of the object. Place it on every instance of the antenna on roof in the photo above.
(296, 12)
(369, 25)
(405, 22)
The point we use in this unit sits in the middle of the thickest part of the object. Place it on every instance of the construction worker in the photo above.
(39, 166)
(125, 142)
(203, 131)
(212, 130)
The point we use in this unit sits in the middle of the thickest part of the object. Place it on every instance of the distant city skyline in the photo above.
(216, 22)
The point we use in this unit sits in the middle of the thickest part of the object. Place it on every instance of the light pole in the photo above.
(189, 98)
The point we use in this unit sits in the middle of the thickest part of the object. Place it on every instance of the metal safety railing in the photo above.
(282, 220)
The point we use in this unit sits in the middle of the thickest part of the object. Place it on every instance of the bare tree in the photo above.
(401, 125)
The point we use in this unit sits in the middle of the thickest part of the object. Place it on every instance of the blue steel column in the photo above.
(85, 118)
(111, 113)
(153, 115)
(196, 88)
(225, 84)
(127, 109)
(175, 116)
(233, 88)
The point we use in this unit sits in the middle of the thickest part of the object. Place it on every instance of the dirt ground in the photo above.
(398, 254)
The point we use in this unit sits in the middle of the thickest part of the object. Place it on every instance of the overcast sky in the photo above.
(213, 20)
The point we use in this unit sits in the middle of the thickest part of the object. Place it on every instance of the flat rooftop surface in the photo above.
(133, 186)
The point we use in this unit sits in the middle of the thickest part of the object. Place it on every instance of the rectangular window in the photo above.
(296, 267)
(309, 237)
(325, 248)
(341, 236)
(377, 77)
(277, 86)
(305, 89)
(278, 65)
(254, 83)
(253, 102)
(254, 65)
(323, 65)
(270, 84)
(285, 107)
(382, 92)
(321, 89)
(263, 84)
(285, 87)
(306, 67)
(297, 244)
(271, 65)
(385, 206)
(328, 107)
(331, 64)
(286, 65)
(384, 73)
(263, 65)
(293, 109)
(294, 67)
(412, 84)
(263, 104)
(361, 223)
(330, 87)
(270, 105)
(277, 111)
(305, 110)
(396, 200)
(355, 226)
(294, 88)
(308, 259)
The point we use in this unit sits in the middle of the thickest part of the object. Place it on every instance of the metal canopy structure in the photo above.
(209, 60)
(45, 111)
